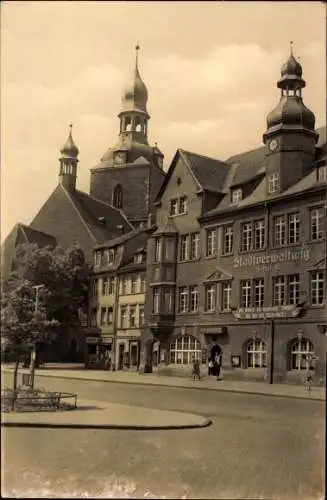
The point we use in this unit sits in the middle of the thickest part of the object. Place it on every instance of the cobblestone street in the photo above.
(257, 447)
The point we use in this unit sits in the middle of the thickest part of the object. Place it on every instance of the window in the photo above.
(228, 240)
(317, 224)
(293, 288)
(169, 248)
(157, 250)
(134, 284)
(132, 316)
(279, 231)
(273, 183)
(279, 291)
(93, 317)
(256, 354)
(194, 293)
(226, 295)
(236, 195)
(110, 315)
(123, 317)
(173, 210)
(322, 173)
(259, 234)
(108, 286)
(183, 205)
(117, 197)
(141, 315)
(103, 316)
(246, 236)
(156, 301)
(97, 258)
(125, 286)
(143, 284)
(183, 299)
(317, 288)
(246, 293)
(184, 349)
(168, 300)
(139, 258)
(109, 255)
(184, 249)
(211, 242)
(94, 289)
(210, 298)
(299, 352)
(259, 292)
(293, 228)
(195, 246)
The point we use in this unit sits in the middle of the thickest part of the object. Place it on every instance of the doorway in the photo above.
(121, 350)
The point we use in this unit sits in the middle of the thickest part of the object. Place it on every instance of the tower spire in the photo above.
(291, 47)
(137, 48)
(68, 162)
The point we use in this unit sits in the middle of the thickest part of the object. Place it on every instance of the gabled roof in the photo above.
(21, 234)
(169, 228)
(208, 173)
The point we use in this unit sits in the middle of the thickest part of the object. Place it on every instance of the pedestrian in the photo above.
(210, 367)
(218, 362)
(196, 368)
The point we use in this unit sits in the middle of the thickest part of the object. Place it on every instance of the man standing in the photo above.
(218, 363)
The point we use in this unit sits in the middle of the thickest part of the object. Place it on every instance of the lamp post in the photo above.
(37, 289)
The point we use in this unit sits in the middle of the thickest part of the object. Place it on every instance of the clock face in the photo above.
(273, 145)
(120, 157)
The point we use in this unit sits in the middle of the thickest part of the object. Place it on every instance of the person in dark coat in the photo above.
(218, 362)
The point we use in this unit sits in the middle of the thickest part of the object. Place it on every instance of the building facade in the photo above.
(117, 299)
(238, 256)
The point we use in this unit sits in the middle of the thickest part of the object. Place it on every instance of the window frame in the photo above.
(183, 299)
(315, 290)
(194, 304)
(211, 235)
(226, 286)
(273, 180)
(228, 239)
(212, 288)
(319, 223)
(184, 250)
(173, 207)
(246, 236)
(237, 195)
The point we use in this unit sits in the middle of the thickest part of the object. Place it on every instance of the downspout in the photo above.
(115, 318)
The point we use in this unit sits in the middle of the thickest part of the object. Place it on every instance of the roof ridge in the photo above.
(206, 157)
(68, 194)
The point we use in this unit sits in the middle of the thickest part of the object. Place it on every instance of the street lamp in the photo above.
(37, 289)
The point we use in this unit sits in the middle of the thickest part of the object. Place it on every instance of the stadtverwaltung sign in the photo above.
(271, 259)
(290, 311)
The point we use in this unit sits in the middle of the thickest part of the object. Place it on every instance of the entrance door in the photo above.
(121, 356)
(133, 355)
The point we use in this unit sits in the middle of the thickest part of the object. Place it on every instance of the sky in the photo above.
(211, 70)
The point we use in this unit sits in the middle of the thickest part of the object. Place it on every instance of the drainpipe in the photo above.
(272, 351)
(115, 318)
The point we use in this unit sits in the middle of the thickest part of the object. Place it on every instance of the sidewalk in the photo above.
(75, 371)
(101, 415)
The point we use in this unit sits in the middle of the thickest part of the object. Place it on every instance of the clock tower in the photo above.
(290, 137)
(132, 166)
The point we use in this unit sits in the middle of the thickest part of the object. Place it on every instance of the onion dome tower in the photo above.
(290, 137)
(68, 163)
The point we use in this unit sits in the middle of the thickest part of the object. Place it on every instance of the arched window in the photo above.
(183, 349)
(117, 198)
(128, 123)
(299, 352)
(256, 354)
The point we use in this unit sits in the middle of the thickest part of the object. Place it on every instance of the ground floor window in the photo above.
(256, 354)
(184, 349)
(300, 349)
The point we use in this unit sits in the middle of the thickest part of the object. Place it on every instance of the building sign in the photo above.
(266, 312)
(271, 260)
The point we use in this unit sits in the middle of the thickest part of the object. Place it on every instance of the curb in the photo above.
(158, 384)
(203, 424)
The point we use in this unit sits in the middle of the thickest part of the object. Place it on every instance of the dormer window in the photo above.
(322, 173)
(183, 205)
(237, 195)
(173, 207)
(139, 258)
(110, 255)
(273, 183)
(97, 258)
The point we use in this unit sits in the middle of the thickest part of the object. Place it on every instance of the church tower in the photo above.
(68, 163)
(290, 137)
(129, 174)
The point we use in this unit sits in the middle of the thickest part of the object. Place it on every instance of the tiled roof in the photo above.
(119, 240)
(101, 218)
(209, 172)
(247, 165)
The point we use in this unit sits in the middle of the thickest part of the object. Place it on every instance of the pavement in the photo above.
(75, 371)
(103, 415)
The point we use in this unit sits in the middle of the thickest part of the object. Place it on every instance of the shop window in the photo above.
(256, 354)
(184, 349)
(300, 350)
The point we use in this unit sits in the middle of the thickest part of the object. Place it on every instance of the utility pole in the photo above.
(37, 289)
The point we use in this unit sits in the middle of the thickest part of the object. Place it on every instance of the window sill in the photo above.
(208, 257)
(187, 313)
(312, 242)
(285, 246)
(196, 259)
